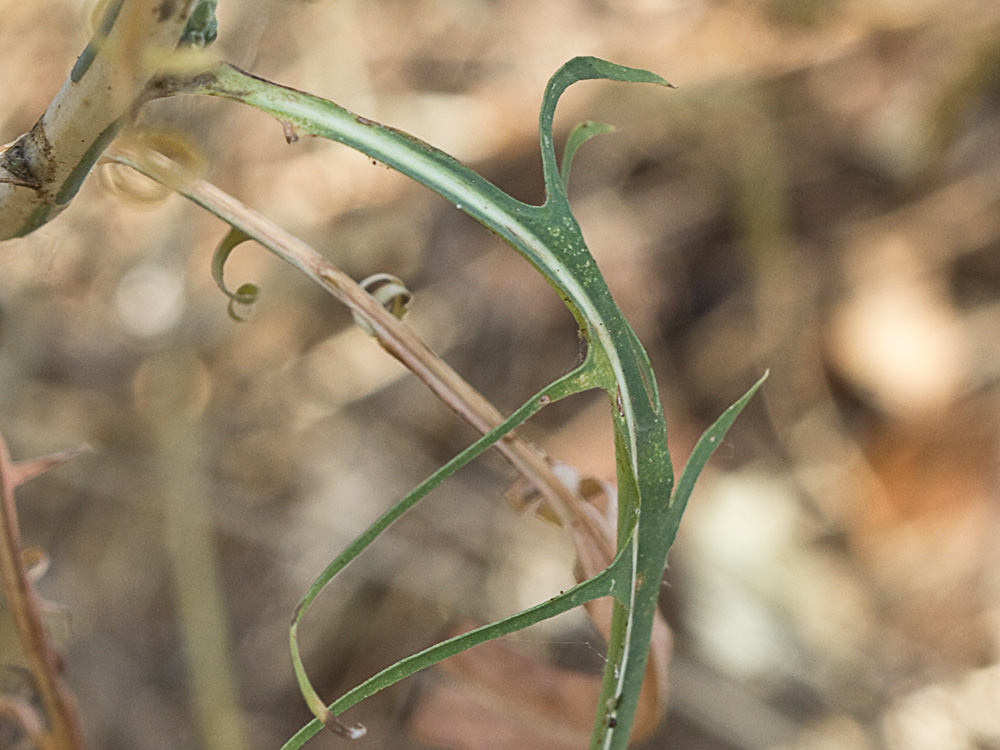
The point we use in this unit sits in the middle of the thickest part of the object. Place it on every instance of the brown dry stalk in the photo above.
(62, 730)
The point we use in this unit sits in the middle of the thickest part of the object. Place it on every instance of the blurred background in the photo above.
(820, 196)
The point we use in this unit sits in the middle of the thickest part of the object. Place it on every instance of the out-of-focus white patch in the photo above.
(737, 537)
(897, 336)
(948, 716)
(149, 300)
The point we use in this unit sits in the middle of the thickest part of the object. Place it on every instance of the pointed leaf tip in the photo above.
(592, 68)
(25, 471)
(706, 446)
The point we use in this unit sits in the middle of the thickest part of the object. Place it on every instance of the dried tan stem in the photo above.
(63, 731)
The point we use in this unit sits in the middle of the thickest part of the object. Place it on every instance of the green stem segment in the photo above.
(549, 238)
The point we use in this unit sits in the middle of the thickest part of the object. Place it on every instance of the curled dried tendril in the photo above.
(242, 301)
(390, 292)
(138, 189)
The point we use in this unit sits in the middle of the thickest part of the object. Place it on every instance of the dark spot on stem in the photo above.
(291, 132)
(164, 10)
(17, 164)
(341, 729)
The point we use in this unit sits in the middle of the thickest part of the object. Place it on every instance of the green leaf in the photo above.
(550, 239)
(583, 132)
(706, 446)
(578, 69)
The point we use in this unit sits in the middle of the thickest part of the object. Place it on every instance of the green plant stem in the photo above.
(572, 512)
(36, 182)
(548, 236)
